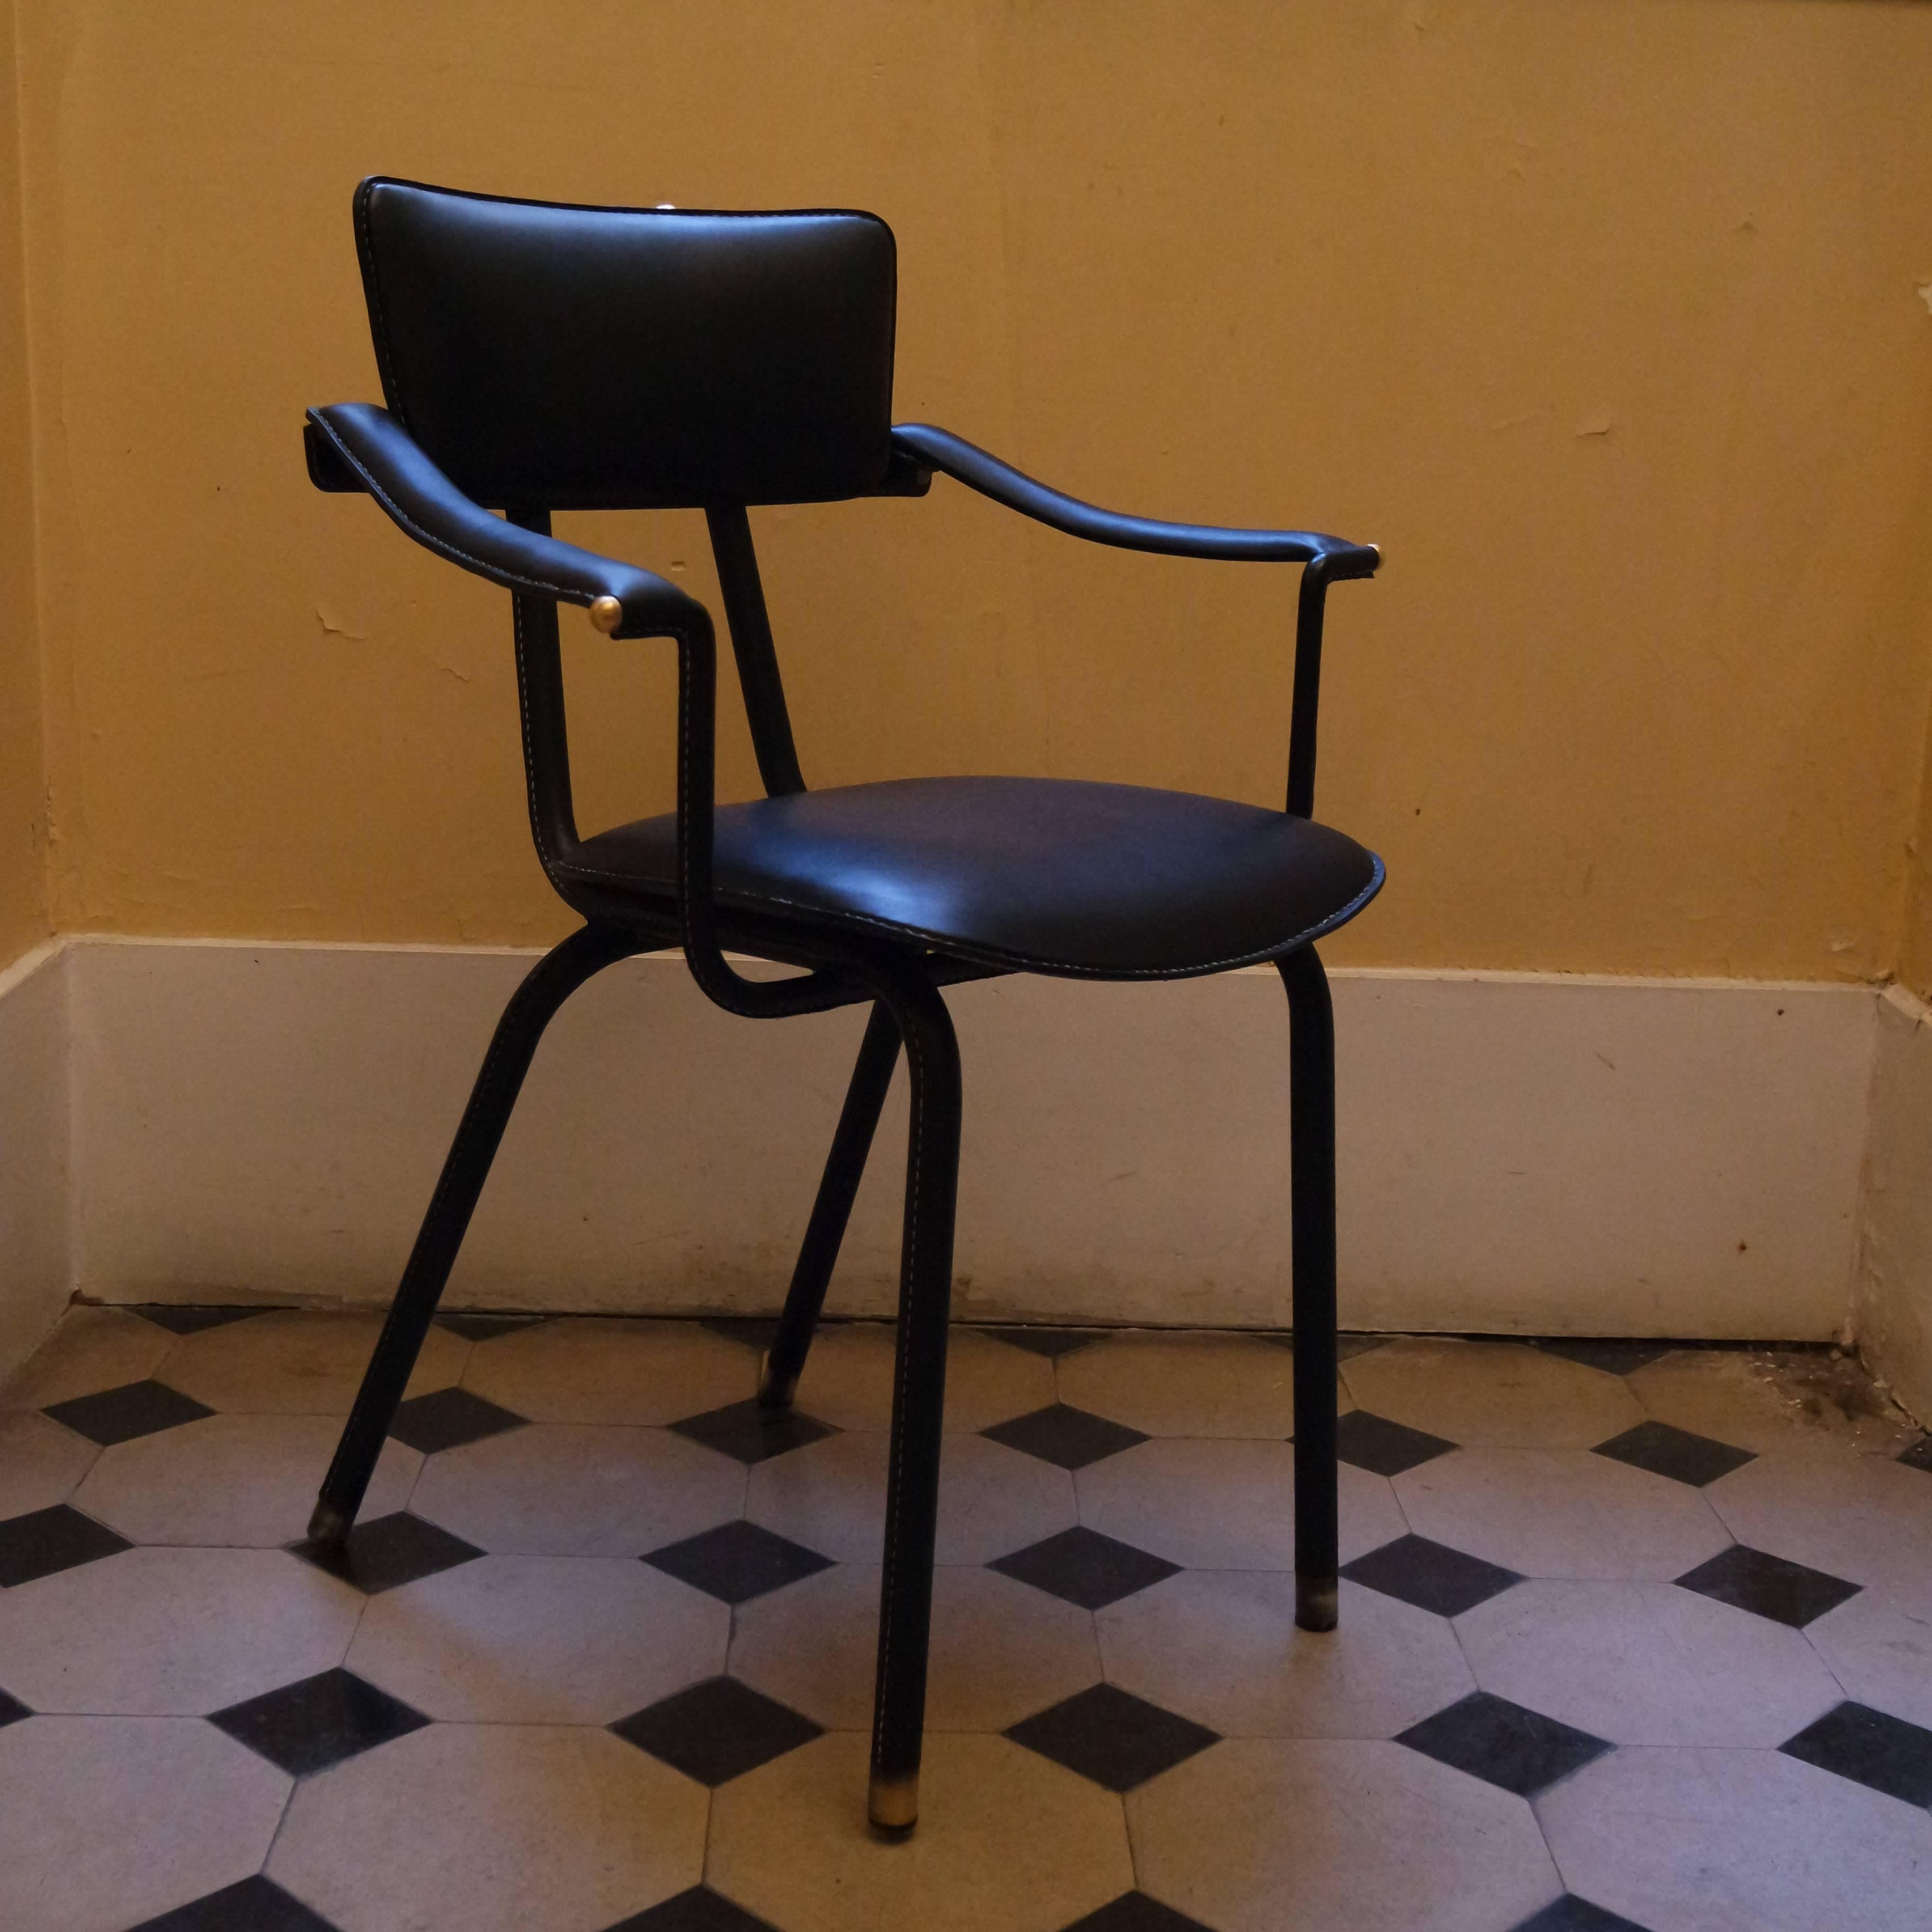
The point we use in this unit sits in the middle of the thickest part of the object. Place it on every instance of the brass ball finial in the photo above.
(606, 613)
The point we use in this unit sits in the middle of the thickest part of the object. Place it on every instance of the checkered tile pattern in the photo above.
(598, 1655)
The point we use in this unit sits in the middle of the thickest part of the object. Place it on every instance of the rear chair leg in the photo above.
(912, 1482)
(552, 981)
(1311, 1152)
(844, 1165)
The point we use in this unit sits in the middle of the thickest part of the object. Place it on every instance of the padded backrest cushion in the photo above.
(556, 357)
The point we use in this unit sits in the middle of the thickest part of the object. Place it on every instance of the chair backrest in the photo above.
(550, 356)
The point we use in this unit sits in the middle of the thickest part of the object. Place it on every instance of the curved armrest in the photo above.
(940, 449)
(356, 445)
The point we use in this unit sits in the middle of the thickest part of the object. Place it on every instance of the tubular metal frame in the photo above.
(904, 986)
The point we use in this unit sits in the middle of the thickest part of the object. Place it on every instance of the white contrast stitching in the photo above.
(511, 579)
(894, 1486)
(385, 361)
(529, 748)
(1025, 962)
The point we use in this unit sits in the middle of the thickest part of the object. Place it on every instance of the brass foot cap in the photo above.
(893, 1804)
(773, 1392)
(329, 1527)
(1316, 1605)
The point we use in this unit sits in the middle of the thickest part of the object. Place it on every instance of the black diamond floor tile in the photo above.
(1383, 1447)
(482, 1327)
(700, 1909)
(1135, 1912)
(120, 1414)
(12, 1710)
(1919, 1456)
(1117, 1740)
(190, 1320)
(1503, 1744)
(717, 1730)
(1083, 1566)
(755, 1332)
(1768, 1586)
(1871, 1748)
(1431, 1575)
(1615, 1357)
(257, 1904)
(1064, 1435)
(319, 1721)
(447, 1418)
(752, 1433)
(391, 1550)
(1674, 1453)
(1039, 1340)
(737, 1561)
(48, 1540)
(1572, 1914)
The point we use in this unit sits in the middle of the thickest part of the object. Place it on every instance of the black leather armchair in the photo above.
(536, 357)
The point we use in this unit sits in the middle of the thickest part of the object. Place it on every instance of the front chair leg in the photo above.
(552, 981)
(912, 1482)
(845, 1167)
(1311, 1152)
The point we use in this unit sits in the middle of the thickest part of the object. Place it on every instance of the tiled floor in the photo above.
(1631, 1636)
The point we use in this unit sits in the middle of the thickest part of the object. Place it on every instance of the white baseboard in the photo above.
(35, 1280)
(1893, 1312)
(1518, 1153)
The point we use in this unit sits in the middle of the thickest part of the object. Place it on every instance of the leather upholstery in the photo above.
(369, 447)
(565, 358)
(935, 448)
(1049, 875)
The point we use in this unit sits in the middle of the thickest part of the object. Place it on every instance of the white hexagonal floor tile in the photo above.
(1005, 1840)
(298, 1362)
(1863, 1518)
(1699, 1841)
(1647, 1663)
(41, 1463)
(831, 1497)
(1763, 1400)
(1263, 1834)
(92, 1349)
(1224, 1505)
(1000, 1650)
(848, 1378)
(1561, 1513)
(1186, 1384)
(171, 1631)
(555, 1490)
(583, 1369)
(1492, 1394)
(232, 1480)
(1221, 1646)
(1880, 1647)
(107, 1822)
(492, 1827)
(540, 1640)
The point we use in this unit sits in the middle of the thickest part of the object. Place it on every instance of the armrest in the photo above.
(940, 449)
(358, 446)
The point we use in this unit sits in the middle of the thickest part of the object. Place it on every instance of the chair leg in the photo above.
(844, 1165)
(1312, 1141)
(912, 1482)
(555, 977)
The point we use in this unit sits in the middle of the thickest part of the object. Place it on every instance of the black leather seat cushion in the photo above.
(1049, 875)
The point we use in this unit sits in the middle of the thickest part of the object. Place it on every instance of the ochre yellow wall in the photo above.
(23, 908)
(1915, 966)
(1602, 318)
